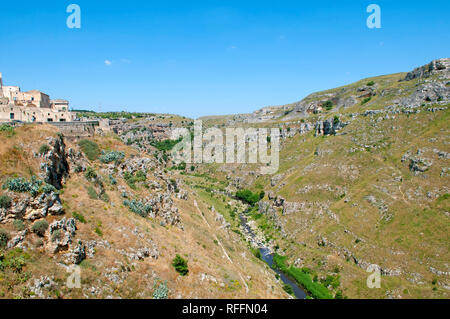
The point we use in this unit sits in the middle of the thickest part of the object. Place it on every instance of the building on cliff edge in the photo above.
(31, 106)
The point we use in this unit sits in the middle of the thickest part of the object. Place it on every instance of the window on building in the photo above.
(11, 116)
(49, 120)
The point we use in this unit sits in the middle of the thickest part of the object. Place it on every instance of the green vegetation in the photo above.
(303, 278)
(131, 179)
(4, 237)
(40, 227)
(79, 217)
(18, 224)
(44, 149)
(247, 196)
(165, 145)
(138, 207)
(7, 130)
(92, 193)
(371, 83)
(90, 173)
(366, 100)
(180, 265)
(57, 235)
(33, 186)
(288, 289)
(112, 156)
(328, 105)
(5, 201)
(336, 120)
(162, 292)
(90, 149)
(15, 260)
(98, 229)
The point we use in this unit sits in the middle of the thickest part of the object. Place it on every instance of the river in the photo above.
(267, 256)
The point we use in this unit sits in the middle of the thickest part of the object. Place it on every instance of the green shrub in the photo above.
(4, 237)
(339, 295)
(40, 227)
(131, 179)
(57, 235)
(112, 156)
(162, 292)
(248, 196)
(15, 260)
(180, 265)
(44, 149)
(18, 224)
(79, 217)
(90, 149)
(336, 120)
(288, 289)
(328, 105)
(112, 180)
(165, 145)
(366, 100)
(371, 83)
(98, 230)
(33, 186)
(5, 201)
(92, 193)
(7, 129)
(138, 207)
(90, 173)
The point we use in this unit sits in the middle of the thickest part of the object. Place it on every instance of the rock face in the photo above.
(436, 92)
(329, 127)
(435, 67)
(60, 235)
(24, 206)
(55, 167)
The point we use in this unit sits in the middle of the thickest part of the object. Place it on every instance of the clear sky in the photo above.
(211, 57)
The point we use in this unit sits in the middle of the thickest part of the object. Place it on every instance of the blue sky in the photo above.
(211, 57)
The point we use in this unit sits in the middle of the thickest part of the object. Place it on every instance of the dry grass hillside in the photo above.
(376, 191)
(126, 255)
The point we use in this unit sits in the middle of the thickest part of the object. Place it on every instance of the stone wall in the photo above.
(76, 129)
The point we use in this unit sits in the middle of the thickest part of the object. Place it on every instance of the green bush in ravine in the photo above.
(79, 217)
(288, 289)
(303, 278)
(44, 149)
(90, 149)
(248, 196)
(328, 105)
(40, 227)
(18, 224)
(4, 237)
(7, 129)
(112, 156)
(165, 145)
(180, 265)
(32, 186)
(131, 179)
(366, 100)
(138, 207)
(5, 201)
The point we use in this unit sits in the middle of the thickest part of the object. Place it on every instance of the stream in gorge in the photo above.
(267, 256)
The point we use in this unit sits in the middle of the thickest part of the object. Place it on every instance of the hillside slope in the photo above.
(363, 179)
(118, 215)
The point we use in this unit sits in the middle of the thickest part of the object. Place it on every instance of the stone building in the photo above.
(31, 106)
